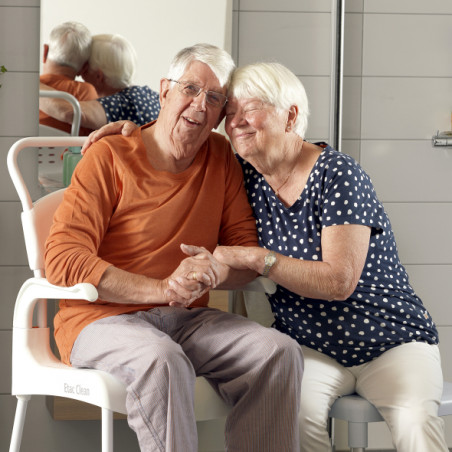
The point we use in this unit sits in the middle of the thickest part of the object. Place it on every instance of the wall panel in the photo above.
(408, 171)
(282, 36)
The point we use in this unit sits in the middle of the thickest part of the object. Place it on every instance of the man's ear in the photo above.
(45, 53)
(164, 88)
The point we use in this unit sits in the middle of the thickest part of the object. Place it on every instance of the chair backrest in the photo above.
(50, 159)
(36, 216)
(36, 224)
(75, 129)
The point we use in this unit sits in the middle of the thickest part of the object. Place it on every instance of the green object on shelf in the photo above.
(70, 159)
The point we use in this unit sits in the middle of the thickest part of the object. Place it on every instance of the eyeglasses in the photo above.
(191, 90)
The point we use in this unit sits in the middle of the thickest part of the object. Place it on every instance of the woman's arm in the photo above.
(344, 252)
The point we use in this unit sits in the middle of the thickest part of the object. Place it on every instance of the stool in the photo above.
(358, 412)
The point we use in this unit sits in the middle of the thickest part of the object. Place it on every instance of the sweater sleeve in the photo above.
(81, 220)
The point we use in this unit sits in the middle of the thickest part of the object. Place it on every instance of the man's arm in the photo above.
(179, 289)
(92, 113)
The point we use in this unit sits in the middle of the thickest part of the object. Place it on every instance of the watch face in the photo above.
(270, 259)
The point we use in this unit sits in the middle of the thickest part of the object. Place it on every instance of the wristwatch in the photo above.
(270, 260)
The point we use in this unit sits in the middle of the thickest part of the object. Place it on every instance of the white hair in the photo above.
(218, 60)
(70, 45)
(275, 84)
(115, 56)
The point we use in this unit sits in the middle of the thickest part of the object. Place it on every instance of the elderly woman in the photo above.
(327, 242)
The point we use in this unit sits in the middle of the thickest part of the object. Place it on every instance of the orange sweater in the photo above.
(80, 90)
(120, 211)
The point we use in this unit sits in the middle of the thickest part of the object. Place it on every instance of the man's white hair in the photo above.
(70, 45)
(218, 60)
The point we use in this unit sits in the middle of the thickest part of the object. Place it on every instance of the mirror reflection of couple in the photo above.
(107, 64)
(346, 319)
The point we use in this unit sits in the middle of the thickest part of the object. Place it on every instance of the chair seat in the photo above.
(445, 408)
(354, 408)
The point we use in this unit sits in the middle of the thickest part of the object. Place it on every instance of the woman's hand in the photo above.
(195, 275)
(125, 128)
(241, 257)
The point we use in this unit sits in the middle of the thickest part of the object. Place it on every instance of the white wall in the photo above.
(157, 29)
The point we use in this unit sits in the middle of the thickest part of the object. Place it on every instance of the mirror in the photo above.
(157, 29)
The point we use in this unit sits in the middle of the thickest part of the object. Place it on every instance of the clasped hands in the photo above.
(195, 275)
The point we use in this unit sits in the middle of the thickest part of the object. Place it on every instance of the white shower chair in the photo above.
(35, 368)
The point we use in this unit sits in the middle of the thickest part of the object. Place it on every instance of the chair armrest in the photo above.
(35, 289)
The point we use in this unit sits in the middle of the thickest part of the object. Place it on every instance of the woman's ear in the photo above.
(291, 118)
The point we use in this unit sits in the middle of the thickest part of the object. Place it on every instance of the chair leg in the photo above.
(357, 436)
(107, 430)
(331, 433)
(19, 421)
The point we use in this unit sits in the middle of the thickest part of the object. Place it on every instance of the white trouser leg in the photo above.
(405, 384)
(324, 380)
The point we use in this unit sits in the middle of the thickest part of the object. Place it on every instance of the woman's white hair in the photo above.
(275, 84)
(70, 45)
(115, 56)
(218, 60)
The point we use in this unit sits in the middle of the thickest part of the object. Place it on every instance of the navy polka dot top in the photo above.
(384, 310)
(138, 104)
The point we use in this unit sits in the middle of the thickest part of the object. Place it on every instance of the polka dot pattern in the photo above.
(138, 104)
(384, 311)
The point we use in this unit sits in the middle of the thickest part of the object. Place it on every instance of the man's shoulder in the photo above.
(80, 90)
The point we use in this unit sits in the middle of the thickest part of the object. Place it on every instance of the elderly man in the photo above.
(124, 224)
(64, 57)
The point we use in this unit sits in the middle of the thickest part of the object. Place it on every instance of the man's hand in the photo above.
(196, 275)
(125, 128)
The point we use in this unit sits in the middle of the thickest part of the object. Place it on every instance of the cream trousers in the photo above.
(404, 383)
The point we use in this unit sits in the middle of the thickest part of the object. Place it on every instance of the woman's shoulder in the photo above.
(333, 160)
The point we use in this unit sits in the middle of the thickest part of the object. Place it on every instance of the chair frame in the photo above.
(76, 122)
(35, 368)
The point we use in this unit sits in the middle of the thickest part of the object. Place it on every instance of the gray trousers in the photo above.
(158, 354)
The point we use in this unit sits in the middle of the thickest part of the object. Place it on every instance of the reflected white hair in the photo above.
(218, 60)
(70, 45)
(115, 56)
(275, 84)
